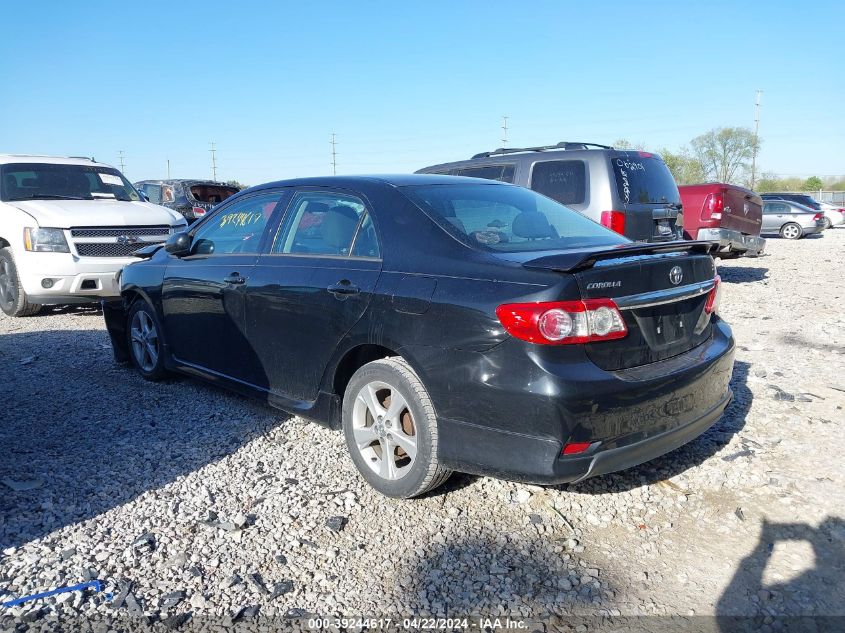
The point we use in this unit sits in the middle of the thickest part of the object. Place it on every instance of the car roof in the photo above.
(185, 181)
(395, 180)
(6, 159)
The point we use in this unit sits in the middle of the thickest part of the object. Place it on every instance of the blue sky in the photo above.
(405, 85)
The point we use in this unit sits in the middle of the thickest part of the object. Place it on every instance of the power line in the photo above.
(504, 131)
(756, 138)
(334, 155)
(120, 157)
(213, 151)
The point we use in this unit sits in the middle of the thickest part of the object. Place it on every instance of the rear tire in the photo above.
(391, 429)
(827, 224)
(145, 342)
(791, 231)
(13, 299)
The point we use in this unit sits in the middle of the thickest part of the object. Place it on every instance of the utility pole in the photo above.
(213, 151)
(334, 155)
(120, 157)
(504, 131)
(756, 138)
(168, 169)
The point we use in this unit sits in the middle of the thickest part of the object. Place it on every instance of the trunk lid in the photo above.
(660, 290)
(649, 195)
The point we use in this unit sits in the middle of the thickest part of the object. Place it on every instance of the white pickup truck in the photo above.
(67, 227)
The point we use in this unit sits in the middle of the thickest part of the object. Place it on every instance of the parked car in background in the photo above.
(67, 226)
(630, 192)
(801, 198)
(728, 214)
(834, 214)
(443, 323)
(192, 198)
(790, 219)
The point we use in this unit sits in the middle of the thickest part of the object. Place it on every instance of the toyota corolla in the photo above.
(443, 323)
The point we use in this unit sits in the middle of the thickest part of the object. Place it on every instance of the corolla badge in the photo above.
(127, 239)
(676, 275)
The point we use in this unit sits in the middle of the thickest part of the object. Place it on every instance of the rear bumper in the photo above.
(628, 416)
(734, 241)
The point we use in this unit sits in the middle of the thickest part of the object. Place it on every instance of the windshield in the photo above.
(508, 219)
(644, 179)
(43, 181)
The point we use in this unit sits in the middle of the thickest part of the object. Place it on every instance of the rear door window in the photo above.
(561, 180)
(503, 173)
(324, 223)
(644, 180)
(153, 192)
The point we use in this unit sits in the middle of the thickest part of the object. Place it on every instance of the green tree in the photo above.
(235, 183)
(813, 183)
(625, 144)
(726, 153)
(686, 168)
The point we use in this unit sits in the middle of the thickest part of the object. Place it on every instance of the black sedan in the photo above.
(443, 323)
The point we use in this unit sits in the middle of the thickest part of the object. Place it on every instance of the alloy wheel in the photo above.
(384, 430)
(8, 287)
(791, 232)
(144, 338)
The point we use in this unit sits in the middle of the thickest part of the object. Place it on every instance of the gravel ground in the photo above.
(185, 499)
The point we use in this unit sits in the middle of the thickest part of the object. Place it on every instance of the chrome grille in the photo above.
(120, 230)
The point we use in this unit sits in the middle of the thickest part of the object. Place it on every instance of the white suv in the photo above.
(67, 227)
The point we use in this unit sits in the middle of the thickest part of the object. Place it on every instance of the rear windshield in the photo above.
(644, 180)
(508, 219)
(503, 173)
(212, 193)
(44, 181)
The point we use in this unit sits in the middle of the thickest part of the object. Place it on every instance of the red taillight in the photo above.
(614, 220)
(817, 217)
(575, 447)
(563, 322)
(714, 204)
(714, 297)
(198, 212)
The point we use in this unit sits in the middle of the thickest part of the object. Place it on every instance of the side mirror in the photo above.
(144, 196)
(178, 244)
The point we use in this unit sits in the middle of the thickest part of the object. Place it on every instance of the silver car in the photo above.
(790, 220)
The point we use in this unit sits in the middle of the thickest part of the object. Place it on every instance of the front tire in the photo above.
(791, 231)
(13, 299)
(145, 342)
(391, 429)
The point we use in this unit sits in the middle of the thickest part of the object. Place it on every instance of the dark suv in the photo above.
(630, 192)
(191, 198)
(800, 198)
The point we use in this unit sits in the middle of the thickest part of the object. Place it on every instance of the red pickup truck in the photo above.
(728, 214)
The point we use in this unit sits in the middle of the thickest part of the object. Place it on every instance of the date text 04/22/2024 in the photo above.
(450, 624)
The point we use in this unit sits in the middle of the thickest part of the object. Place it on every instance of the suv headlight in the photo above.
(45, 240)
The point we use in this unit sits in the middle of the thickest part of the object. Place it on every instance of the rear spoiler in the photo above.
(148, 251)
(572, 261)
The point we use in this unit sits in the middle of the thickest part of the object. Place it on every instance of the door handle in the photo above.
(234, 278)
(343, 288)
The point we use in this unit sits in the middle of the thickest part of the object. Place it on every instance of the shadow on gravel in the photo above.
(530, 577)
(742, 274)
(798, 340)
(81, 435)
(816, 591)
(687, 456)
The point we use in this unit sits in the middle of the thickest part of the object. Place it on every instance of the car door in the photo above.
(203, 293)
(773, 216)
(311, 286)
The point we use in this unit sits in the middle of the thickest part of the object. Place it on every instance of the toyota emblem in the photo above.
(676, 275)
